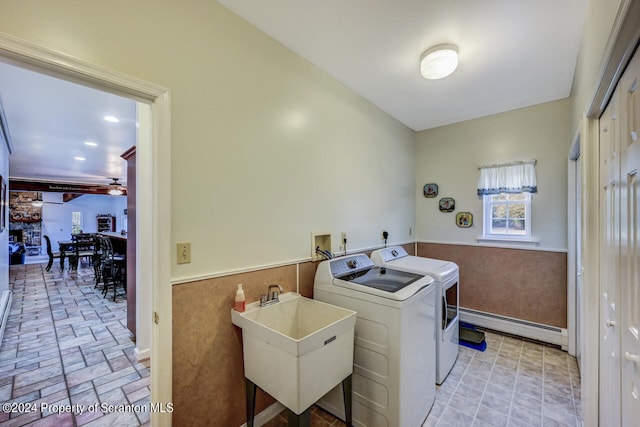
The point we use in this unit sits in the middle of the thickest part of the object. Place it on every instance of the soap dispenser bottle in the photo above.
(240, 301)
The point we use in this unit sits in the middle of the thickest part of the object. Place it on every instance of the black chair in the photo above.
(84, 247)
(98, 261)
(114, 268)
(51, 254)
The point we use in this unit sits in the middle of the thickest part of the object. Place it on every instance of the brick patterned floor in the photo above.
(64, 344)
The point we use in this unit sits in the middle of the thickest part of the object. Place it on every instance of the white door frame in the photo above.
(574, 264)
(154, 267)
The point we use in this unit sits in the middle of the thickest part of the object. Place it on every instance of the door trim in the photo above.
(622, 43)
(156, 268)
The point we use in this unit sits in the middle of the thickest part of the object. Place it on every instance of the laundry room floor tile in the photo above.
(515, 382)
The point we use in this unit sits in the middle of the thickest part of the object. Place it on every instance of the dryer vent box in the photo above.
(321, 240)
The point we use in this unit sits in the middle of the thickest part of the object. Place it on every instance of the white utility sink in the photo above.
(296, 349)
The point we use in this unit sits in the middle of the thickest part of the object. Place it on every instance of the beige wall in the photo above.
(599, 21)
(450, 155)
(266, 148)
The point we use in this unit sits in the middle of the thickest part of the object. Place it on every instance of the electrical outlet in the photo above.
(343, 237)
(184, 253)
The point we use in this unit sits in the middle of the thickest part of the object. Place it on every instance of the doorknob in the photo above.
(611, 323)
(631, 357)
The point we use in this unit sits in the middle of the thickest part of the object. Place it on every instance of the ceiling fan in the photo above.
(115, 189)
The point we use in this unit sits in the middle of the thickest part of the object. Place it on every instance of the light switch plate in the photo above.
(184, 253)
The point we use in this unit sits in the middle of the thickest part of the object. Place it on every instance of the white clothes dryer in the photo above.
(447, 280)
(393, 372)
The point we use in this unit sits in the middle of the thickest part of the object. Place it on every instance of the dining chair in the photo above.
(51, 254)
(84, 248)
(113, 268)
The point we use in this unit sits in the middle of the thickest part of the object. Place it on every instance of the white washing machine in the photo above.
(447, 279)
(394, 367)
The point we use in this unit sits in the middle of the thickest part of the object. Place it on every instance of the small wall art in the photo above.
(464, 219)
(430, 190)
(447, 204)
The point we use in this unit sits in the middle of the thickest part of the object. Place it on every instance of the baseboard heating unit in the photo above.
(521, 328)
(5, 308)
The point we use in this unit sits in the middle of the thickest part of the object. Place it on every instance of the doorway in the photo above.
(153, 255)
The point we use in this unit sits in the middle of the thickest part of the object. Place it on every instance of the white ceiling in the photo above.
(512, 53)
(50, 120)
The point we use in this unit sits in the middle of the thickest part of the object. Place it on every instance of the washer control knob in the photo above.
(394, 252)
(353, 263)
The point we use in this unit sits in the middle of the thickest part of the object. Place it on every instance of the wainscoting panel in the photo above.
(522, 284)
(208, 369)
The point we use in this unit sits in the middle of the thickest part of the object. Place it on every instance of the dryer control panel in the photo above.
(390, 253)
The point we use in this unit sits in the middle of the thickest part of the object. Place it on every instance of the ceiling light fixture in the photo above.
(91, 143)
(115, 189)
(37, 202)
(112, 119)
(82, 159)
(439, 61)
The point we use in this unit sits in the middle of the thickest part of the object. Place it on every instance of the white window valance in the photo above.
(517, 177)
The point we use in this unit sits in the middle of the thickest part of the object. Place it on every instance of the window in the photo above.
(506, 194)
(76, 222)
(507, 216)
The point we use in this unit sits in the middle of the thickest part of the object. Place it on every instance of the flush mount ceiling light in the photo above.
(112, 119)
(439, 61)
(114, 188)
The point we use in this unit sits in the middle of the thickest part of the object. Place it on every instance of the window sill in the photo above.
(509, 241)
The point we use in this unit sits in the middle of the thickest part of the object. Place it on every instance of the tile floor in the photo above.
(513, 383)
(65, 344)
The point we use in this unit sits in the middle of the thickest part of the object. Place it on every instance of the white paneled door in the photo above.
(610, 267)
(630, 244)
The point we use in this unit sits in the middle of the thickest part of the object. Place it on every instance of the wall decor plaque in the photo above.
(464, 219)
(447, 204)
(430, 190)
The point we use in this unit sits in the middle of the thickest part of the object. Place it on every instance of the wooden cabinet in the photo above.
(130, 157)
(106, 223)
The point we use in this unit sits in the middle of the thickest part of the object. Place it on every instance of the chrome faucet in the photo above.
(270, 297)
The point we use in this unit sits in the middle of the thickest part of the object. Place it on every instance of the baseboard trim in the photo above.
(142, 354)
(510, 325)
(266, 415)
(5, 308)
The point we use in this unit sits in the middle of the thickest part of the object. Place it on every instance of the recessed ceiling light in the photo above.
(112, 119)
(91, 143)
(439, 61)
(80, 158)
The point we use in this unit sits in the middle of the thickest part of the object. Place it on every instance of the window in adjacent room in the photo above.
(506, 191)
(76, 222)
